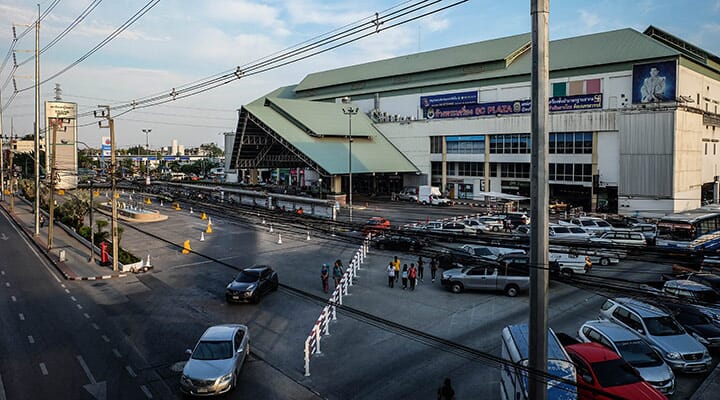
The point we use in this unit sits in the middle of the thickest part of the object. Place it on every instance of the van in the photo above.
(408, 193)
(513, 375)
(431, 195)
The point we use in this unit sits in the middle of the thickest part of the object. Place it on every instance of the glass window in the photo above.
(615, 372)
(663, 326)
(213, 350)
(436, 144)
(495, 144)
(436, 168)
(588, 143)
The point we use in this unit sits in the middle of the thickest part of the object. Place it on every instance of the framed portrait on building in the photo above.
(654, 82)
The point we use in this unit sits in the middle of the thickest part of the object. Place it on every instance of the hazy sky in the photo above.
(178, 42)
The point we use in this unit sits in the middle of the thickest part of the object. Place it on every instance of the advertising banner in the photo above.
(449, 99)
(61, 137)
(560, 103)
(654, 82)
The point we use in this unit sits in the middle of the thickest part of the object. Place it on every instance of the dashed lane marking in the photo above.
(73, 298)
(43, 369)
(67, 291)
(2, 272)
(22, 316)
(7, 284)
(86, 315)
(105, 338)
(146, 391)
(13, 298)
(31, 339)
(94, 325)
(79, 306)
(130, 371)
(117, 353)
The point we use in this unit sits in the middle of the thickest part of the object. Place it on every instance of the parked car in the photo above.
(506, 279)
(679, 350)
(216, 360)
(398, 242)
(489, 252)
(476, 225)
(559, 232)
(691, 291)
(568, 264)
(495, 224)
(633, 349)
(592, 224)
(648, 230)
(696, 322)
(251, 284)
(706, 278)
(620, 238)
(600, 370)
(408, 193)
(431, 195)
(517, 219)
(375, 225)
(454, 229)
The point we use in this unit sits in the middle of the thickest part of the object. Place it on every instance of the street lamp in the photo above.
(349, 110)
(147, 149)
(92, 206)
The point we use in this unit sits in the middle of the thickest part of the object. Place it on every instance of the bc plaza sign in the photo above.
(466, 109)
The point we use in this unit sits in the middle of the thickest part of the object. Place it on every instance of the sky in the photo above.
(179, 42)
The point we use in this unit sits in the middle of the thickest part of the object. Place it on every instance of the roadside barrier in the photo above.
(329, 312)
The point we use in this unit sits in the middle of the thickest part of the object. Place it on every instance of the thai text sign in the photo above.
(561, 103)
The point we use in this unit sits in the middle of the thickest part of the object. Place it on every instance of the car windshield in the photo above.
(213, 350)
(603, 224)
(707, 296)
(483, 251)
(615, 373)
(577, 230)
(588, 223)
(638, 353)
(689, 318)
(663, 326)
(247, 277)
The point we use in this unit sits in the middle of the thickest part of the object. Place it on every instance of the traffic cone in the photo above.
(271, 229)
(202, 236)
(209, 229)
(191, 211)
(263, 221)
(279, 238)
(308, 235)
(209, 220)
(161, 204)
(186, 247)
(203, 216)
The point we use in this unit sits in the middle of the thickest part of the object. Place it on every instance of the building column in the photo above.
(487, 165)
(443, 179)
(336, 184)
(253, 176)
(594, 170)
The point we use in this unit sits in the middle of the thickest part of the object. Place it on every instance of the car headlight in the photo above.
(185, 380)
(224, 378)
(673, 355)
(706, 354)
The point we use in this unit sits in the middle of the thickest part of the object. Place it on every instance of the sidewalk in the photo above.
(76, 264)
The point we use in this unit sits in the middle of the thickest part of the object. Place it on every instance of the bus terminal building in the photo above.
(632, 126)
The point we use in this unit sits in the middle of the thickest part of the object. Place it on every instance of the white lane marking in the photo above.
(79, 306)
(105, 338)
(94, 325)
(67, 291)
(31, 339)
(130, 371)
(43, 369)
(86, 369)
(73, 298)
(13, 298)
(2, 390)
(146, 391)
(22, 316)
(2, 272)
(7, 284)
(62, 285)
(117, 353)
(86, 315)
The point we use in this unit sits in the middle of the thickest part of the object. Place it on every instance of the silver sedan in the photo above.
(215, 363)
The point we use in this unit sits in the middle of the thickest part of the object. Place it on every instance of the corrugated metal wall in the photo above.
(646, 153)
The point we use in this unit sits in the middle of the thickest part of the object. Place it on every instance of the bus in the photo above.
(697, 229)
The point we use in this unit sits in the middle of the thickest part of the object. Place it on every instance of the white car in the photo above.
(489, 252)
(215, 363)
(495, 224)
(622, 238)
(592, 224)
(567, 232)
(476, 225)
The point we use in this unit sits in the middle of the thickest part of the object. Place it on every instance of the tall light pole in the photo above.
(349, 110)
(147, 148)
(104, 112)
(91, 207)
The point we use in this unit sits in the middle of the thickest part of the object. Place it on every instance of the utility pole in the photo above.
(538, 352)
(105, 113)
(349, 111)
(37, 125)
(53, 173)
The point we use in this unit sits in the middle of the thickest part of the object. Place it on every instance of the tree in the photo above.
(212, 150)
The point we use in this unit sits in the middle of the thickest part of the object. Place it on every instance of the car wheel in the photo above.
(255, 299)
(495, 229)
(424, 203)
(567, 272)
(512, 290)
(604, 262)
(456, 287)
(275, 285)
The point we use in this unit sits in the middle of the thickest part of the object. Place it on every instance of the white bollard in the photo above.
(147, 263)
(279, 238)
(202, 236)
(317, 340)
(307, 357)
(308, 235)
(191, 211)
(271, 228)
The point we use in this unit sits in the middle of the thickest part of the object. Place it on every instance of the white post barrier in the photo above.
(324, 316)
(317, 339)
(307, 356)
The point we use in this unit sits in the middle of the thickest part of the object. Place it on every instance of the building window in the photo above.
(510, 144)
(436, 168)
(515, 170)
(706, 148)
(570, 172)
(493, 169)
(470, 169)
(471, 145)
(570, 143)
(436, 144)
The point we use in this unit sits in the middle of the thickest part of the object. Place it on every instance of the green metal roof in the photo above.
(499, 58)
(319, 130)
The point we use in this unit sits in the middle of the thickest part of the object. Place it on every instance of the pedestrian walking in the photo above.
(42, 220)
(412, 276)
(404, 275)
(396, 265)
(433, 268)
(391, 275)
(421, 269)
(337, 272)
(325, 276)
(588, 264)
(446, 392)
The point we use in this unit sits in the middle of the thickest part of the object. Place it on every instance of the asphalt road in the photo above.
(154, 317)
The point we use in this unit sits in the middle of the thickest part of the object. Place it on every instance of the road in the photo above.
(154, 317)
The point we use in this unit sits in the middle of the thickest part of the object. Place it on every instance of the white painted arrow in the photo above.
(4, 237)
(97, 389)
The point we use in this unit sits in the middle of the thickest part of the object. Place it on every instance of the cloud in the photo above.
(240, 12)
(590, 20)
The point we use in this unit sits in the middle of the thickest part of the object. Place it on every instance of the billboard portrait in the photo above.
(654, 82)
(60, 127)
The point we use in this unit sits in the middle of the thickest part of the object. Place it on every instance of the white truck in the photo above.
(431, 195)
